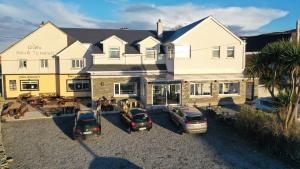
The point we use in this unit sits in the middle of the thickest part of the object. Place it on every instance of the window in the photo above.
(229, 88)
(203, 89)
(78, 85)
(216, 52)
(182, 51)
(29, 85)
(77, 63)
(150, 53)
(12, 85)
(44, 63)
(23, 63)
(114, 52)
(230, 51)
(125, 88)
(170, 51)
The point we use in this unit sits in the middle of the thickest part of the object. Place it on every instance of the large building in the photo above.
(201, 63)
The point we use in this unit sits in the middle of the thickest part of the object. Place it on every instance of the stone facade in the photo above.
(215, 98)
(105, 87)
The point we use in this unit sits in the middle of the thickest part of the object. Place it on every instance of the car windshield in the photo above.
(140, 118)
(267, 103)
(194, 118)
(87, 123)
(136, 111)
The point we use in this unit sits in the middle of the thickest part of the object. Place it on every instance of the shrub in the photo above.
(266, 130)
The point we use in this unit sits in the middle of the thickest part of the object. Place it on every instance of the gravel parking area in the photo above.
(47, 143)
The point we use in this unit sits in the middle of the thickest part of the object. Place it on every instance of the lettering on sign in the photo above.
(34, 49)
(29, 76)
(78, 76)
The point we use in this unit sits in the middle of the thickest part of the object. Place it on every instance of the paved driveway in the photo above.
(46, 143)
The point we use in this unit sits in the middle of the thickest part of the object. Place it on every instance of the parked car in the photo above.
(189, 119)
(136, 119)
(86, 124)
(264, 104)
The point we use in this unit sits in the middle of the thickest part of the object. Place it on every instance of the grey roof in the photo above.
(179, 32)
(256, 43)
(131, 67)
(95, 36)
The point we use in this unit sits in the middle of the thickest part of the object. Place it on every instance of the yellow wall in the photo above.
(63, 85)
(46, 84)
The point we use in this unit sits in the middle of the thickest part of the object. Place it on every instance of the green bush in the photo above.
(266, 130)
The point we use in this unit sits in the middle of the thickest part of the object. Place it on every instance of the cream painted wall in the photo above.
(202, 39)
(75, 51)
(43, 43)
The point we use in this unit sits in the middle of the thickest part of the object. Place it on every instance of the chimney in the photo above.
(42, 23)
(160, 28)
(298, 31)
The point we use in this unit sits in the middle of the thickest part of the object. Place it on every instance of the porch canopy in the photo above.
(167, 77)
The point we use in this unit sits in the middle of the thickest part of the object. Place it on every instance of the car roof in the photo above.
(191, 111)
(265, 99)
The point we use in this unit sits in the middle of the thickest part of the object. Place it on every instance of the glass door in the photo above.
(164, 94)
(159, 94)
(173, 95)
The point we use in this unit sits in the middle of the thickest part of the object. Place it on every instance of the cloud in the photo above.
(246, 19)
(17, 19)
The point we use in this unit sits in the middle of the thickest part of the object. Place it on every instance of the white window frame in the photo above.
(75, 81)
(12, 86)
(216, 49)
(77, 63)
(29, 82)
(44, 63)
(229, 94)
(114, 49)
(179, 53)
(200, 95)
(153, 53)
(119, 86)
(23, 63)
(231, 49)
(170, 50)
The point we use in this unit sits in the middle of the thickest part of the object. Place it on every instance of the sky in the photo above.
(243, 17)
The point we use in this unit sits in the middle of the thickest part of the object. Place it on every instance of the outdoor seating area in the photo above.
(46, 104)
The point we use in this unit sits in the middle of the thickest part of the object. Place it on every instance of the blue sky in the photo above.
(244, 17)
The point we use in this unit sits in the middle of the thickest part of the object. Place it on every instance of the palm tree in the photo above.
(278, 66)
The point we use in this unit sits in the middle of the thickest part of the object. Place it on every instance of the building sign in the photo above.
(29, 76)
(79, 76)
(34, 49)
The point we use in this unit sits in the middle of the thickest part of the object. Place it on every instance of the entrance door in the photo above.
(164, 94)
(173, 94)
(159, 94)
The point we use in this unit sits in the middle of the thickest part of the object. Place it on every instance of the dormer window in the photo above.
(114, 52)
(150, 53)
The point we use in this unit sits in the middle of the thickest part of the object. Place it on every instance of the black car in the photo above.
(86, 124)
(136, 119)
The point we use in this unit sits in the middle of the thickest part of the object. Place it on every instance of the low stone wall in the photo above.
(3, 158)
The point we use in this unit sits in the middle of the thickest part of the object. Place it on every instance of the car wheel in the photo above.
(129, 130)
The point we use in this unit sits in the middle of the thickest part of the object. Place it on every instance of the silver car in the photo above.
(189, 119)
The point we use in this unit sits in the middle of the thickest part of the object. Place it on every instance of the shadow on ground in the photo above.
(116, 121)
(65, 124)
(108, 162)
(162, 119)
